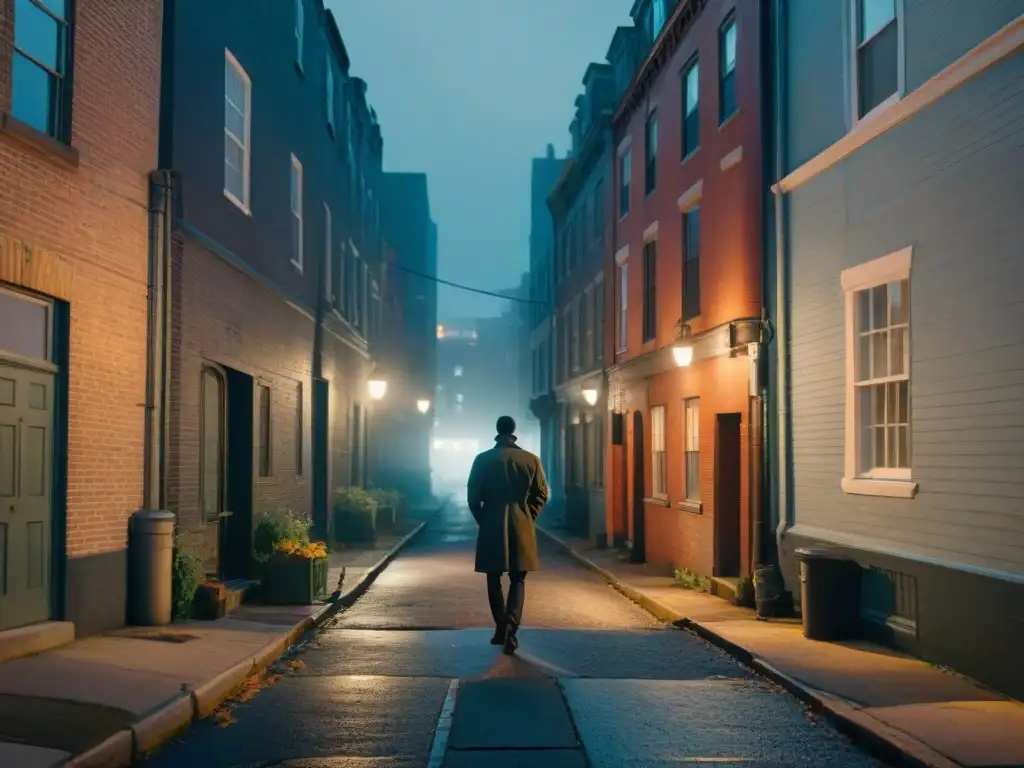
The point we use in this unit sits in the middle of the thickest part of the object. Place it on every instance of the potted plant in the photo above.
(389, 502)
(276, 525)
(296, 573)
(355, 515)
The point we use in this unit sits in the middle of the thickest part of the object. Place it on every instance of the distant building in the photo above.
(900, 184)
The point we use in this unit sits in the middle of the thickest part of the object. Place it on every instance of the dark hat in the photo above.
(506, 425)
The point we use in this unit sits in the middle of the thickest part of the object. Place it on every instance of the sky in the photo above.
(469, 91)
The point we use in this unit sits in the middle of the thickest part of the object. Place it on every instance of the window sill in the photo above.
(690, 155)
(297, 265)
(299, 69)
(729, 120)
(693, 507)
(64, 154)
(866, 486)
(238, 203)
(657, 501)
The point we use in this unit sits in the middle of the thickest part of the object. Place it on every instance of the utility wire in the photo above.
(466, 287)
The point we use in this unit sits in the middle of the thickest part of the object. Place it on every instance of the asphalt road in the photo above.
(406, 678)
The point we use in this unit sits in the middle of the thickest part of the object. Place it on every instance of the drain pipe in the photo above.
(154, 292)
(167, 189)
(784, 493)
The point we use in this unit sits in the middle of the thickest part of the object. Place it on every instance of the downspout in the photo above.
(154, 290)
(785, 495)
(318, 395)
(167, 189)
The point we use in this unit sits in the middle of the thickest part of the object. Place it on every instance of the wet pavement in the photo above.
(406, 677)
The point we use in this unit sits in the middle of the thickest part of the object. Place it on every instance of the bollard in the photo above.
(151, 558)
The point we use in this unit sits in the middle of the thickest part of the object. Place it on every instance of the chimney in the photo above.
(551, 151)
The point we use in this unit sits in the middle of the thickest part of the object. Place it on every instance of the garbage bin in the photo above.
(151, 558)
(829, 594)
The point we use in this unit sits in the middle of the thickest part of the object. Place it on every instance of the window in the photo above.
(588, 328)
(691, 263)
(237, 125)
(212, 444)
(623, 306)
(691, 448)
(458, 371)
(599, 322)
(459, 398)
(338, 270)
(41, 92)
(727, 70)
(650, 306)
(300, 23)
(330, 92)
(659, 462)
(651, 153)
(587, 230)
(625, 172)
(265, 450)
(878, 436)
(877, 56)
(328, 279)
(657, 17)
(599, 210)
(296, 202)
(299, 430)
(691, 104)
(575, 321)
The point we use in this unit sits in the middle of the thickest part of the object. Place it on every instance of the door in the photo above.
(212, 437)
(638, 554)
(26, 471)
(727, 495)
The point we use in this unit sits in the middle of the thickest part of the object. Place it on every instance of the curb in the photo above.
(883, 741)
(174, 717)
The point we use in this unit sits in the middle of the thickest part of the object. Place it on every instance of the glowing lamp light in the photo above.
(377, 388)
(682, 355)
(590, 395)
(422, 406)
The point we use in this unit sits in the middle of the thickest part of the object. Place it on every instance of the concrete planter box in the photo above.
(290, 580)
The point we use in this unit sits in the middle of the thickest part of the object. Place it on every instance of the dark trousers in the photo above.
(510, 612)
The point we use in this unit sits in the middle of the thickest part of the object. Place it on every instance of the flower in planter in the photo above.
(312, 550)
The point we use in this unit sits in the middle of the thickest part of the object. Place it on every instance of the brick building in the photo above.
(78, 139)
(684, 282)
(276, 268)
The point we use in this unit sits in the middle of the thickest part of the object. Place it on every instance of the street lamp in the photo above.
(377, 388)
(590, 395)
(423, 405)
(682, 354)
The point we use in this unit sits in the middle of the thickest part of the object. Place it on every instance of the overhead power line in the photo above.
(468, 288)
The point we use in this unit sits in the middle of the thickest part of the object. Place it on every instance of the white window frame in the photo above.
(230, 62)
(329, 88)
(852, 23)
(691, 445)
(328, 279)
(896, 483)
(622, 299)
(300, 27)
(659, 454)
(296, 205)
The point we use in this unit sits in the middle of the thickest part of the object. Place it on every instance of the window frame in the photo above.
(896, 483)
(298, 216)
(300, 31)
(650, 305)
(690, 261)
(723, 75)
(300, 429)
(328, 278)
(244, 204)
(329, 91)
(625, 181)
(691, 447)
(651, 153)
(659, 456)
(854, 45)
(574, 319)
(622, 300)
(692, 65)
(266, 445)
(599, 319)
(61, 119)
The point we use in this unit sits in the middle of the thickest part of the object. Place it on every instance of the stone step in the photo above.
(725, 587)
(217, 599)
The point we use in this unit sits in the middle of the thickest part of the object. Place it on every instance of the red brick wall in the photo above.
(87, 227)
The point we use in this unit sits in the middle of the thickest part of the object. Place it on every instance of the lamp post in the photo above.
(423, 405)
(682, 350)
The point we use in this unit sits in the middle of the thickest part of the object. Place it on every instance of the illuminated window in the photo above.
(458, 370)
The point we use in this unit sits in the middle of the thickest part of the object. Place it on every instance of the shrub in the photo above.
(186, 573)
(745, 593)
(275, 526)
(355, 513)
(388, 497)
(690, 580)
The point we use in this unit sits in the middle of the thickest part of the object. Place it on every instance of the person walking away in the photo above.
(507, 490)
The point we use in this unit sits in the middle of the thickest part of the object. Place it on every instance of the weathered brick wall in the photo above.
(88, 227)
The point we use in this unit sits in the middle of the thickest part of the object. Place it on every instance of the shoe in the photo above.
(511, 644)
(499, 636)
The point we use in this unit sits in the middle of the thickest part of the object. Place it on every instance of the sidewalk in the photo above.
(103, 700)
(902, 708)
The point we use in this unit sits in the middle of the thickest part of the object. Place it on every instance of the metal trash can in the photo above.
(151, 558)
(829, 594)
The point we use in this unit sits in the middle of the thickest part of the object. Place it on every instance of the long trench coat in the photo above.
(507, 490)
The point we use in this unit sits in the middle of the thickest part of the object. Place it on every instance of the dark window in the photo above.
(727, 70)
(691, 263)
(651, 154)
(40, 88)
(300, 432)
(358, 456)
(625, 172)
(211, 481)
(877, 53)
(650, 272)
(599, 210)
(266, 450)
(599, 323)
(691, 107)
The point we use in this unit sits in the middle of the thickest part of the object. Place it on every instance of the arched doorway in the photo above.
(638, 554)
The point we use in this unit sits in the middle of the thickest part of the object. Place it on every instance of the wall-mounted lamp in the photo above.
(590, 395)
(377, 388)
(682, 350)
(423, 405)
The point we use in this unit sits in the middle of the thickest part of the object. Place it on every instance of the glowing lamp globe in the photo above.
(682, 355)
(590, 395)
(422, 406)
(377, 388)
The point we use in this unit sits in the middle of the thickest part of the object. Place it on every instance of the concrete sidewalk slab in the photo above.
(903, 708)
(160, 679)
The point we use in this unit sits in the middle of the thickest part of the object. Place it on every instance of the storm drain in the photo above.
(163, 637)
